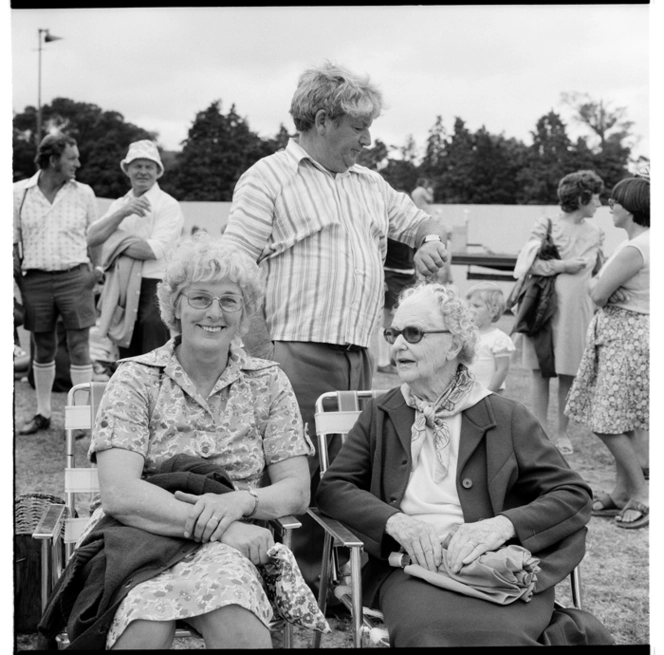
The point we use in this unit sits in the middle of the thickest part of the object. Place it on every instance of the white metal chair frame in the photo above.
(60, 523)
(365, 621)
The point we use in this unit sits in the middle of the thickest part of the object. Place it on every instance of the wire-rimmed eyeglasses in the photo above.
(201, 300)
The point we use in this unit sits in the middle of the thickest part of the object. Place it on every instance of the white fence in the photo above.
(500, 229)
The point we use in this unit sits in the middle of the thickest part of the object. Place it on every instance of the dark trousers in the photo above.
(149, 331)
(313, 369)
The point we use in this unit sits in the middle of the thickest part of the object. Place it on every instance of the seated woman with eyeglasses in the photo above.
(441, 463)
(200, 394)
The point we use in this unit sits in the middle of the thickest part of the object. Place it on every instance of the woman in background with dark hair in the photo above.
(579, 242)
(611, 392)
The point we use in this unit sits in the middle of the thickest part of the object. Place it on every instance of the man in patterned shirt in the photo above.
(52, 212)
(318, 224)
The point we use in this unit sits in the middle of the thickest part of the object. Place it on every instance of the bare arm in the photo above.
(502, 369)
(100, 230)
(432, 256)
(288, 494)
(624, 266)
(136, 502)
(140, 250)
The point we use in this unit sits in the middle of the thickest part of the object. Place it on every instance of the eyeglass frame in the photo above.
(218, 299)
(422, 333)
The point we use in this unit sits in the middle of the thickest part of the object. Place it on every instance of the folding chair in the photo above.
(62, 524)
(336, 413)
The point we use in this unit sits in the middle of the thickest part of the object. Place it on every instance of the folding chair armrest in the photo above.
(286, 523)
(50, 524)
(339, 532)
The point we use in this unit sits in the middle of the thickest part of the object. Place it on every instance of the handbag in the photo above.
(547, 250)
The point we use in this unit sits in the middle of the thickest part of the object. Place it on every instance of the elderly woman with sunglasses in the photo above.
(611, 393)
(200, 394)
(442, 467)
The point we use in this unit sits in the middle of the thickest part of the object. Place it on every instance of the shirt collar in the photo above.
(35, 179)
(164, 357)
(150, 194)
(297, 153)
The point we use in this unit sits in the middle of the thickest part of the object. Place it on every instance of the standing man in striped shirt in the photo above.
(318, 225)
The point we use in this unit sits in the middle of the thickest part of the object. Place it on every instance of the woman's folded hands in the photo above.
(419, 540)
(470, 540)
(464, 544)
(216, 517)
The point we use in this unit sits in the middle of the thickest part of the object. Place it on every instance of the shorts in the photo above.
(47, 294)
(395, 283)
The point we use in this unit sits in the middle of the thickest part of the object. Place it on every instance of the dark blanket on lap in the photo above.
(114, 558)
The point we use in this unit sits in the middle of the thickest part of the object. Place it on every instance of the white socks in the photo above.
(44, 378)
(80, 374)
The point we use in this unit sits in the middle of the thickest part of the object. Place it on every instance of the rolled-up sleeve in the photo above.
(124, 416)
(283, 432)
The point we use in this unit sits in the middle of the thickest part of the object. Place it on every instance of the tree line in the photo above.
(464, 167)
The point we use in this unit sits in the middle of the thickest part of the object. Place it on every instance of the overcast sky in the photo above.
(499, 66)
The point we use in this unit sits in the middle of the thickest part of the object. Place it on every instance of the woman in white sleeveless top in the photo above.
(611, 391)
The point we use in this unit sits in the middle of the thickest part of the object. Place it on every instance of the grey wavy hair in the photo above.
(454, 311)
(336, 90)
(203, 258)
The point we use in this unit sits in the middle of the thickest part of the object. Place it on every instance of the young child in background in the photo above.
(492, 363)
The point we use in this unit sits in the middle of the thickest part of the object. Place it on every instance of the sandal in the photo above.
(638, 523)
(564, 446)
(607, 506)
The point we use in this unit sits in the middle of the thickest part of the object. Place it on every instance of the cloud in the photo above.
(499, 66)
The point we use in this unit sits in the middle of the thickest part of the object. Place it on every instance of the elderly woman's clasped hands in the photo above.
(464, 544)
(216, 517)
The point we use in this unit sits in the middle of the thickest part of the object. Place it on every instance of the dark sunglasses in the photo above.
(410, 333)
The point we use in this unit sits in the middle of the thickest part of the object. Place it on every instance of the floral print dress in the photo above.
(250, 420)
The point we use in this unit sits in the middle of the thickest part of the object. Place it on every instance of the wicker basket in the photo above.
(28, 510)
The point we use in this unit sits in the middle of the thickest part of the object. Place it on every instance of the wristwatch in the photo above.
(431, 237)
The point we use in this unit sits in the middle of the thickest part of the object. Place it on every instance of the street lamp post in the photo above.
(47, 39)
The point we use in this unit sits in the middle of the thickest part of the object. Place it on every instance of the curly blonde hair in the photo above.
(336, 90)
(203, 258)
(491, 295)
(454, 311)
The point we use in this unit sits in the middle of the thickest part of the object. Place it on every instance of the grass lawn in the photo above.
(615, 571)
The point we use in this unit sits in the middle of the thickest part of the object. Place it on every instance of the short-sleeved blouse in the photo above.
(250, 420)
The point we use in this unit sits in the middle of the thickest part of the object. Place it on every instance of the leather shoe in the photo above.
(77, 434)
(37, 423)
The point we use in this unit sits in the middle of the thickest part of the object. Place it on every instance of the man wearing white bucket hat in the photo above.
(136, 232)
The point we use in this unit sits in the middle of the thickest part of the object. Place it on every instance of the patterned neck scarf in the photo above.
(453, 400)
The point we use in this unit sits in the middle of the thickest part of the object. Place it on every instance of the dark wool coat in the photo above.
(506, 465)
(113, 558)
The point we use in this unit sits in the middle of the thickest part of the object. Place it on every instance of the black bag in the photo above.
(524, 285)
(548, 249)
(536, 306)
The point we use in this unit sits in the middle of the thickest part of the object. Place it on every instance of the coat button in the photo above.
(467, 483)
